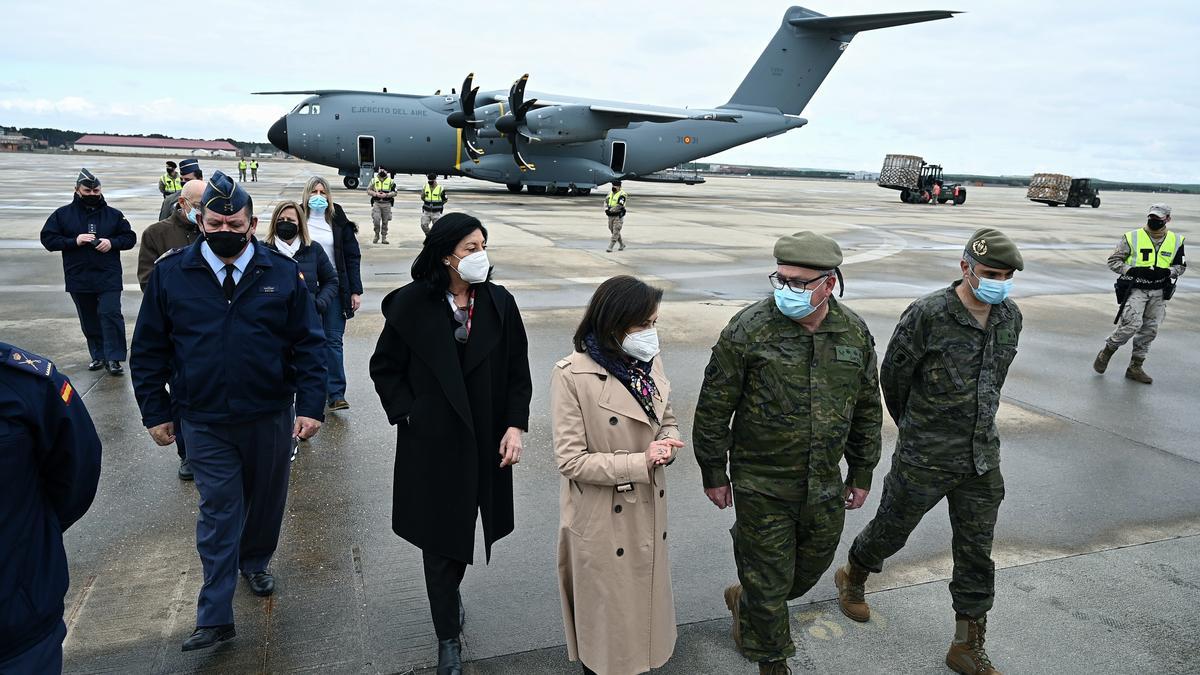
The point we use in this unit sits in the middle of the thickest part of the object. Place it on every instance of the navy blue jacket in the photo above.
(319, 275)
(227, 362)
(347, 257)
(49, 469)
(85, 269)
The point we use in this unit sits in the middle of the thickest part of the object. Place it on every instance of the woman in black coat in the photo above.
(452, 371)
(288, 233)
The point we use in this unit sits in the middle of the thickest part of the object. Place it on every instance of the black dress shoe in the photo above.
(206, 636)
(96, 364)
(185, 470)
(114, 367)
(262, 584)
(449, 657)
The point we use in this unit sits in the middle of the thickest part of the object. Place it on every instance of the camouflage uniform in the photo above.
(941, 378)
(799, 401)
(1146, 308)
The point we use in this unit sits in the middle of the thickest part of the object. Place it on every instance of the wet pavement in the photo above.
(1097, 544)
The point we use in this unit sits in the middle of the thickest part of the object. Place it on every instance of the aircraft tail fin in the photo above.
(803, 51)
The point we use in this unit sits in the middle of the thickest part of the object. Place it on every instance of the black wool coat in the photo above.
(450, 416)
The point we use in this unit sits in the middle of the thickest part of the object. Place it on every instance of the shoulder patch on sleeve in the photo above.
(27, 362)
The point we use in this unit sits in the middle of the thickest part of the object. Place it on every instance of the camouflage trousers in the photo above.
(615, 223)
(428, 218)
(1143, 314)
(381, 215)
(909, 492)
(781, 549)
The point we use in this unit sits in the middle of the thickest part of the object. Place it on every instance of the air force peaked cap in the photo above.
(87, 180)
(808, 249)
(223, 196)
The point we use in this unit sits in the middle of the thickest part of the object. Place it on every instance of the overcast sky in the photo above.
(1089, 88)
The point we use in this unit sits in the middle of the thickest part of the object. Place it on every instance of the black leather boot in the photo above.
(449, 657)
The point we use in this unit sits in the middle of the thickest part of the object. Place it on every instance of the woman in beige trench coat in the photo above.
(614, 434)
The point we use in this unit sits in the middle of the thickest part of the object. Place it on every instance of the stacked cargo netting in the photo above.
(1049, 188)
(901, 171)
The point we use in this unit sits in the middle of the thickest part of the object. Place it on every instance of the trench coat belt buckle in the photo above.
(625, 487)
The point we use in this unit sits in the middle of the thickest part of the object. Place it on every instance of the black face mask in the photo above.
(91, 201)
(287, 230)
(1155, 224)
(227, 244)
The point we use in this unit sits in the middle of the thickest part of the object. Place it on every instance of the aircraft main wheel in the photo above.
(1095, 202)
(562, 191)
(585, 191)
(514, 187)
(537, 189)
(351, 182)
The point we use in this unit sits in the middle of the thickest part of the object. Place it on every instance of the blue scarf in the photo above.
(634, 374)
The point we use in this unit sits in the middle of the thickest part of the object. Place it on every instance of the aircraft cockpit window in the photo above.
(309, 109)
(316, 108)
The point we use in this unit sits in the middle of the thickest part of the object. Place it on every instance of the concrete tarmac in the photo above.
(1096, 548)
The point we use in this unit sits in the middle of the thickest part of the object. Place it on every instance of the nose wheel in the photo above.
(351, 182)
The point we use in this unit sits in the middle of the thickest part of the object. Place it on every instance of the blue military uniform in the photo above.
(93, 278)
(235, 366)
(49, 469)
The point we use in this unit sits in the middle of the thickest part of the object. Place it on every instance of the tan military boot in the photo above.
(774, 668)
(1101, 363)
(733, 600)
(850, 580)
(1134, 372)
(966, 653)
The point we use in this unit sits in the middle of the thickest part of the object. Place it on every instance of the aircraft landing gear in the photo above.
(514, 187)
(351, 182)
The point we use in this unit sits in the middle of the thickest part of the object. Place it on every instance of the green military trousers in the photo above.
(909, 492)
(781, 548)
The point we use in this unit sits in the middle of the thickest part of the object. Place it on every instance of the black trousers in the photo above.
(102, 324)
(442, 578)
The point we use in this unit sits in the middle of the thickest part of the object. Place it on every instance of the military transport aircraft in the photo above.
(564, 144)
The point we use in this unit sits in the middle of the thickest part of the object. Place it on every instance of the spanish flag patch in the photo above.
(66, 392)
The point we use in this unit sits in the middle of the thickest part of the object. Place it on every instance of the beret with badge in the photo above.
(808, 249)
(993, 248)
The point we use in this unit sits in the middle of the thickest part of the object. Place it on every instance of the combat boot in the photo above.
(733, 600)
(1101, 363)
(1134, 371)
(774, 668)
(966, 653)
(850, 580)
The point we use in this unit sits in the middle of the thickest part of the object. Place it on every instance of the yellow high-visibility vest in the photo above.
(385, 185)
(171, 183)
(433, 195)
(242, 165)
(1141, 249)
(614, 199)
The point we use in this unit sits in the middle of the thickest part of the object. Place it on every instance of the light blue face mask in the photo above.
(318, 203)
(991, 291)
(795, 304)
(192, 214)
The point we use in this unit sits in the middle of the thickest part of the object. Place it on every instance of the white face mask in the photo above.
(474, 268)
(642, 345)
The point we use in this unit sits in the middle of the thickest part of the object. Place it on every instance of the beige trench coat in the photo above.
(614, 577)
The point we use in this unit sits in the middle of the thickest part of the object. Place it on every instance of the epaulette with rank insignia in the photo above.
(28, 362)
(170, 253)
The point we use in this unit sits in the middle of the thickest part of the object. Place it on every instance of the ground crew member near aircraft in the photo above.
(614, 208)
(433, 202)
(383, 196)
(796, 374)
(228, 323)
(253, 170)
(91, 235)
(242, 166)
(189, 170)
(941, 379)
(170, 181)
(51, 466)
(1149, 261)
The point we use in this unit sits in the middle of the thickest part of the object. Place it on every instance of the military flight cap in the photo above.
(170, 164)
(223, 196)
(808, 249)
(87, 180)
(431, 176)
(616, 183)
(189, 165)
(994, 249)
(1160, 211)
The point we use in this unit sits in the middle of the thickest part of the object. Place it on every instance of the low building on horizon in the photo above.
(155, 146)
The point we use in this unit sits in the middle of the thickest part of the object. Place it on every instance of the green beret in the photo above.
(808, 249)
(994, 249)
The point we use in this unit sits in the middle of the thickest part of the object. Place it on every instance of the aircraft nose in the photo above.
(277, 134)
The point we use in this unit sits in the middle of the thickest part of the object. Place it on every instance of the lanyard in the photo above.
(470, 312)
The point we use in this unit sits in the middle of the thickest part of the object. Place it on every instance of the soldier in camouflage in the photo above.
(1148, 262)
(941, 378)
(797, 374)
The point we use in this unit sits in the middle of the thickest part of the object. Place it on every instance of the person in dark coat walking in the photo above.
(49, 470)
(91, 235)
(288, 234)
(452, 371)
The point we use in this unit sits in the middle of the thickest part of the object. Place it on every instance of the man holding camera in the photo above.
(91, 235)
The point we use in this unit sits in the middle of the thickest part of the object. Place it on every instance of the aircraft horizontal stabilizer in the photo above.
(860, 22)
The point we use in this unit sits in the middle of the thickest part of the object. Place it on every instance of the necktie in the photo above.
(228, 284)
